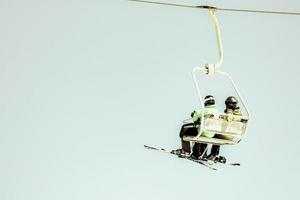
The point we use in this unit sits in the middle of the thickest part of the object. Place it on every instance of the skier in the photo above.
(192, 129)
(233, 112)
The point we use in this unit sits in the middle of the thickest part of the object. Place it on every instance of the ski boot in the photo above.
(212, 157)
(220, 159)
(180, 153)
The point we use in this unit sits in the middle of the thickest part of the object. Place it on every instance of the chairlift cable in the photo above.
(219, 9)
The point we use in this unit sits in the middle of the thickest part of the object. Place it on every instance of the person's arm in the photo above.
(196, 116)
(234, 115)
(237, 112)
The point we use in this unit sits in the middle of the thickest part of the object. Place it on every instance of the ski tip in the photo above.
(148, 147)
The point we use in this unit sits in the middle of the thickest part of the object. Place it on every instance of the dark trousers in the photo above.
(187, 130)
(199, 148)
(215, 150)
(191, 130)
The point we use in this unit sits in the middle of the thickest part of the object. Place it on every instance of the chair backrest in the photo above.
(227, 127)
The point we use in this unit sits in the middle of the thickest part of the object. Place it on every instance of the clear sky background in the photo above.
(85, 84)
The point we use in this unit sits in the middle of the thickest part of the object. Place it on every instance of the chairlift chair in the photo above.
(230, 129)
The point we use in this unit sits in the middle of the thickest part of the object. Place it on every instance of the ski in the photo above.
(231, 164)
(183, 156)
(216, 161)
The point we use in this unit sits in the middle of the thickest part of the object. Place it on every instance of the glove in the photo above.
(230, 118)
(192, 114)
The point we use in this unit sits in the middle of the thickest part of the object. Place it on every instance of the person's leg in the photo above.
(203, 150)
(196, 150)
(199, 149)
(215, 150)
(186, 146)
(187, 130)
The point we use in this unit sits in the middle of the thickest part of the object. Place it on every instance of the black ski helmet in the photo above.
(209, 100)
(231, 102)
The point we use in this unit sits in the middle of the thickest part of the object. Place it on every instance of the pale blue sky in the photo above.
(85, 84)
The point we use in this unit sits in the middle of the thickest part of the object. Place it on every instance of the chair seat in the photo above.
(207, 140)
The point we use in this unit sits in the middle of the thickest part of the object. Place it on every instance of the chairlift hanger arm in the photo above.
(205, 7)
